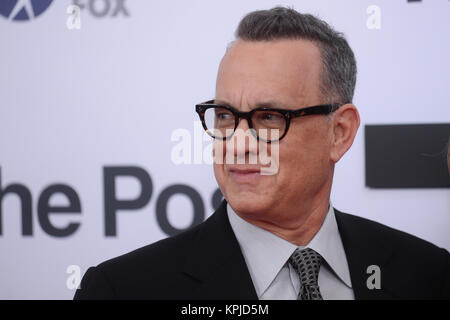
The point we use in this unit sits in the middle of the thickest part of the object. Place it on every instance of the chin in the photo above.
(248, 204)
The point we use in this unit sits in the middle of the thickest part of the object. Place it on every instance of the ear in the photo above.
(345, 124)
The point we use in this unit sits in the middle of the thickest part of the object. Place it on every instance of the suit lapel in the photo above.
(217, 263)
(364, 248)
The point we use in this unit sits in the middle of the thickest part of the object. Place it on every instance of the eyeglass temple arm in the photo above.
(321, 109)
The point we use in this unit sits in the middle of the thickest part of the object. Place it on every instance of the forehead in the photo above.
(286, 70)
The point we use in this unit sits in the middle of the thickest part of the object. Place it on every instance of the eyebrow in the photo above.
(261, 104)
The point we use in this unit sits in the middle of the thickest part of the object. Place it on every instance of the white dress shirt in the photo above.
(266, 256)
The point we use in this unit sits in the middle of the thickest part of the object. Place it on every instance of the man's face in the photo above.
(284, 74)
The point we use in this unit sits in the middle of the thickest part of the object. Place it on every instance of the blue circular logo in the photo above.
(23, 10)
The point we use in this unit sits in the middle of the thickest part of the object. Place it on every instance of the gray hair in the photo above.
(338, 76)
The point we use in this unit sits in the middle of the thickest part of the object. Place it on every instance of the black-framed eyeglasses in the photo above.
(267, 124)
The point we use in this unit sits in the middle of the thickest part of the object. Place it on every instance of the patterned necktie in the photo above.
(307, 264)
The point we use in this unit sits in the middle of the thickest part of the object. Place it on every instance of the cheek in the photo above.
(221, 178)
(304, 156)
(219, 173)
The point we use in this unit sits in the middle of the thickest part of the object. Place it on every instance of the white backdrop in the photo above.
(73, 101)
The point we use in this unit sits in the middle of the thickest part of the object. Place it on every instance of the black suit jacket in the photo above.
(206, 262)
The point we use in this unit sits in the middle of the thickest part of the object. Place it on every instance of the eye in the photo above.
(224, 115)
(270, 116)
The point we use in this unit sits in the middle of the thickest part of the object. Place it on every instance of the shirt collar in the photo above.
(258, 244)
(327, 242)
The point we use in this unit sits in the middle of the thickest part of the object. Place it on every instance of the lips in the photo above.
(245, 171)
(245, 175)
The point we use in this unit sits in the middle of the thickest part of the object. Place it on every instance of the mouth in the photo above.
(245, 175)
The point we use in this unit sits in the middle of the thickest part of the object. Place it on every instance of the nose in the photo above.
(243, 124)
(243, 142)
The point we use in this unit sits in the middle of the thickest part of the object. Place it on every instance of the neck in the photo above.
(299, 232)
(296, 224)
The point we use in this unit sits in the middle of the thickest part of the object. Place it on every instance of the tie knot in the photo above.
(307, 264)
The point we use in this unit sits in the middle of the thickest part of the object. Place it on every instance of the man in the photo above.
(276, 236)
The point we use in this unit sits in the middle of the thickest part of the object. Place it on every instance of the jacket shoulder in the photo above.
(148, 272)
(169, 250)
(369, 229)
(413, 268)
